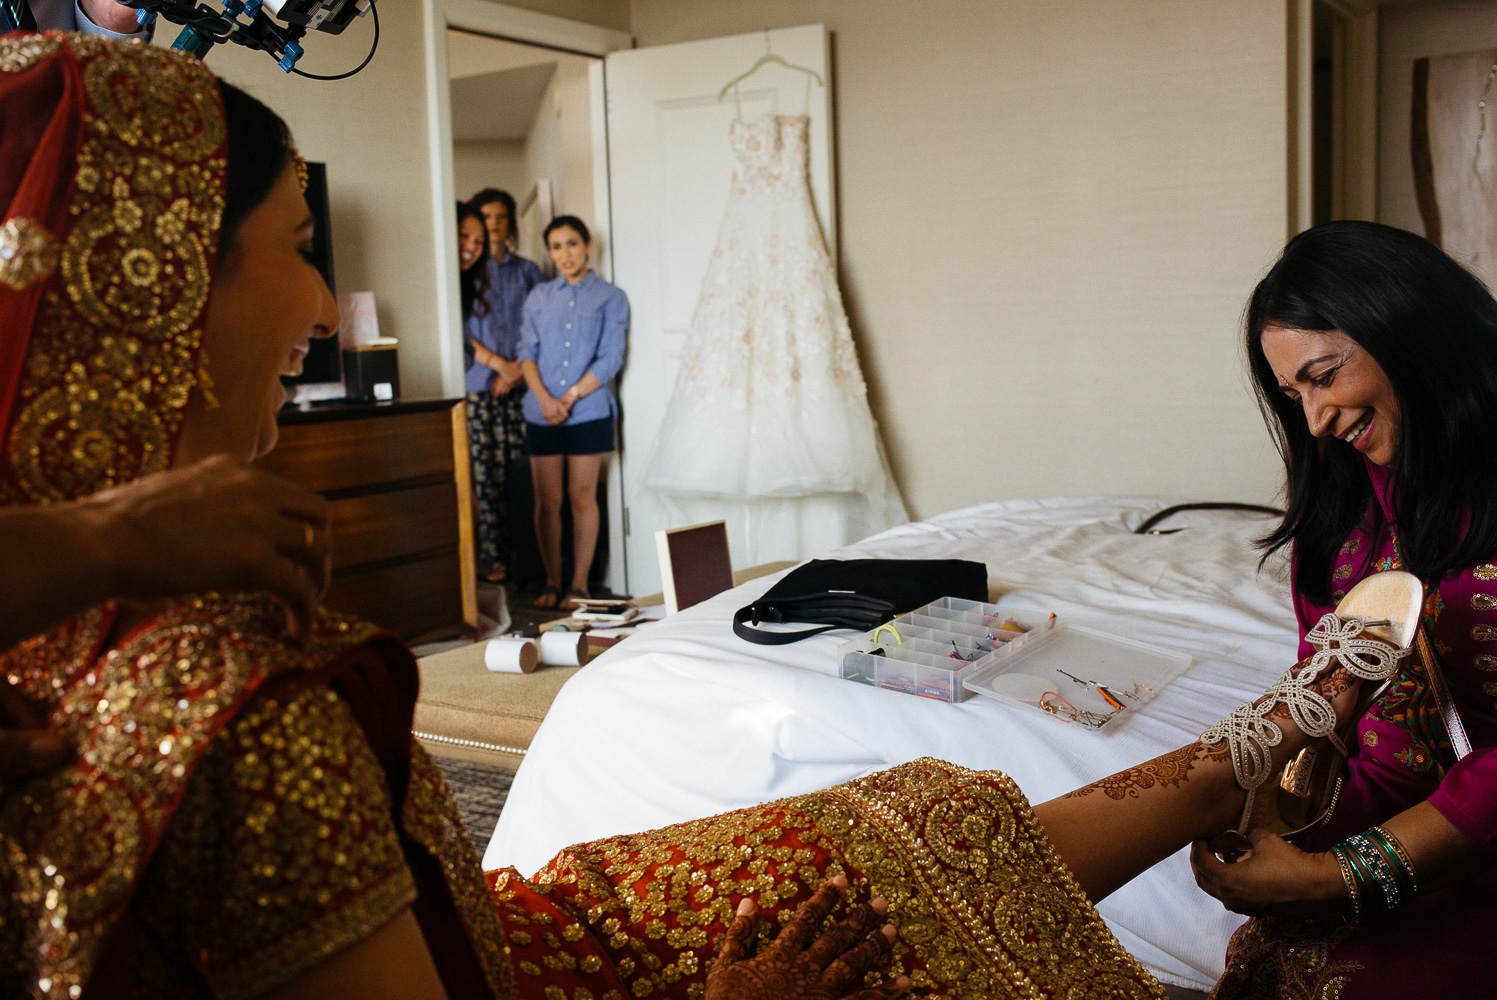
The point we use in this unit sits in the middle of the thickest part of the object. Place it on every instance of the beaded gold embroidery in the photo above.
(1483, 602)
(22, 52)
(141, 715)
(28, 253)
(1485, 572)
(983, 905)
(112, 356)
(1484, 633)
(284, 850)
(1486, 661)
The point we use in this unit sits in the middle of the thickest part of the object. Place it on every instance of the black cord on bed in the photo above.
(1147, 528)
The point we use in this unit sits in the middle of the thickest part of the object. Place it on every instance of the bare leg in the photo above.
(546, 473)
(582, 488)
(1110, 831)
(1113, 829)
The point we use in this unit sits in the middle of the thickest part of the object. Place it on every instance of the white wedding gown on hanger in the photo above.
(768, 426)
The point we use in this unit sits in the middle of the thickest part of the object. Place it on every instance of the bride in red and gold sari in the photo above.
(248, 815)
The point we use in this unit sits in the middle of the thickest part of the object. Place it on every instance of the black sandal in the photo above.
(554, 593)
(568, 603)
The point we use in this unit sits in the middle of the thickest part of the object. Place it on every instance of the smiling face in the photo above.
(470, 241)
(496, 218)
(266, 303)
(1344, 392)
(569, 252)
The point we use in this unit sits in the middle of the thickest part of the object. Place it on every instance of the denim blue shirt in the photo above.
(570, 331)
(499, 328)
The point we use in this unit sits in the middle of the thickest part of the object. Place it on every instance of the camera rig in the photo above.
(273, 26)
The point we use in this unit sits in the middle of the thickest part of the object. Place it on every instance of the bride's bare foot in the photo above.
(1118, 826)
(1300, 767)
(1287, 748)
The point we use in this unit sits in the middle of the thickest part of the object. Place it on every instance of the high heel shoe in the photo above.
(1370, 631)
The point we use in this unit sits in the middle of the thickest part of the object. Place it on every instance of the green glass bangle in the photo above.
(1372, 896)
(1399, 857)
(1350, 879)
(1382, 872)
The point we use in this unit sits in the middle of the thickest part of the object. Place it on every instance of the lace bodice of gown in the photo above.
(763, 327)
(771, 154)
(769, 401)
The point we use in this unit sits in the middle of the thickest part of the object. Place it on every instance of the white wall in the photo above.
(371, 131)
(477, 165)
(1409, 33)
(1051, 217)
(560, 144)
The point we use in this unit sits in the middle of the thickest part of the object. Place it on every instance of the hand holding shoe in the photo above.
(1272, 878)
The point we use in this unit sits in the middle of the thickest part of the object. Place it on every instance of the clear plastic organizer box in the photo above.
(954, 647)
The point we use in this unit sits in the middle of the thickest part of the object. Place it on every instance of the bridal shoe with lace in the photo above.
(1370, 631)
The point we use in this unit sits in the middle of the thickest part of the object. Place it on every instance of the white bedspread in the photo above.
(686, 720)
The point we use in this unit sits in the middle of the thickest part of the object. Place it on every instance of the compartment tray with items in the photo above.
(954, 647)
(930, 651)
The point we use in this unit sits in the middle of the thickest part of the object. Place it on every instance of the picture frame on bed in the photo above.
(695, 564)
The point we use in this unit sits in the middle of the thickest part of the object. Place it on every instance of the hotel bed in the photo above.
(686, 720)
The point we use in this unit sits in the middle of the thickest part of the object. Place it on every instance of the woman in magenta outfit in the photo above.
(1393, 347)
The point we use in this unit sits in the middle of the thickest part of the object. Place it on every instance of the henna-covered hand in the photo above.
(796, 968)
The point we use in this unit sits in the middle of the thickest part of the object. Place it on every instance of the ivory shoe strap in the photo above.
(1249, 733)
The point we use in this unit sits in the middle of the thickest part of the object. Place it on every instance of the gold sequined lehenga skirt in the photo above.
(984, 906)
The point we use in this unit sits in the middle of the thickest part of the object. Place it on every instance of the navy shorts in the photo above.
(591, 437)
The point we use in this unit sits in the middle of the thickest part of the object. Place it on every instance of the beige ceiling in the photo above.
(498, 85)
(499, 106)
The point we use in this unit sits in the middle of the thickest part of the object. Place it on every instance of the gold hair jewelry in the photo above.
(301, 168)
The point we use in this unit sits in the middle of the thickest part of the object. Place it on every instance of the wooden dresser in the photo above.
(397, 477)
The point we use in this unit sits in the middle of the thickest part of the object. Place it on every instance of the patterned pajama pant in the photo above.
(496, 437)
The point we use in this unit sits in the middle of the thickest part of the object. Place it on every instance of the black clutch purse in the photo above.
(857, 594)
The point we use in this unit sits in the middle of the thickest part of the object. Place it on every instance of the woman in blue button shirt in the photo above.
(496, 427)
(571, 347)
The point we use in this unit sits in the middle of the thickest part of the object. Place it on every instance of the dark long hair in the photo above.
(1432, 328)
(487, 197)
(259, 149)
(474, 282)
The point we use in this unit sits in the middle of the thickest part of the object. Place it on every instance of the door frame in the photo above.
(1352, 111)
(529, 28)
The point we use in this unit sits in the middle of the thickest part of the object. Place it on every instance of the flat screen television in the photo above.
(323, 366)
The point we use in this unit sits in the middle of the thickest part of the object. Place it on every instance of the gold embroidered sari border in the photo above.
(1087, 960)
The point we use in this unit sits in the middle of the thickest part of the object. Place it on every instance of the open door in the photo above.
(670, 165)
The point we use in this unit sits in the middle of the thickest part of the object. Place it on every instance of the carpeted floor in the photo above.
(480, 790)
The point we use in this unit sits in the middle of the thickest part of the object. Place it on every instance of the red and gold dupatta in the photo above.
(112, 180)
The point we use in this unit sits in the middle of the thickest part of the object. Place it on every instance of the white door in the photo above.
(669, 169)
